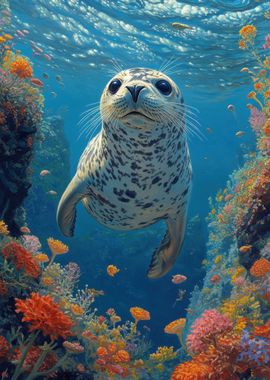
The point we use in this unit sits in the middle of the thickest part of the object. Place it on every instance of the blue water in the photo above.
(83, 38)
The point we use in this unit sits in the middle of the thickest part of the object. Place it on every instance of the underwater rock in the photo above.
(52, 155)
(16, 152)
(254, 228)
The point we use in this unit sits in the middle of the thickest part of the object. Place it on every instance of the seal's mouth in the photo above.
(139, 114)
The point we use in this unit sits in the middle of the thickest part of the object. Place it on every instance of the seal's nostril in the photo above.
(135, 90)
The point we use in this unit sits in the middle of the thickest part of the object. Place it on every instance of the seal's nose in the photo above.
(135, 90)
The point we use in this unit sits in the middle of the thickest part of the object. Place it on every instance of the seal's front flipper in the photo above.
(165, 256)
(66, 212)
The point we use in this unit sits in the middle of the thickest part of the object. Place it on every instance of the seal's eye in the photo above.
(164, 87)
(114, 86)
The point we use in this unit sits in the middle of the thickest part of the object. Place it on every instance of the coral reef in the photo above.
(21, 106)
(227, 330)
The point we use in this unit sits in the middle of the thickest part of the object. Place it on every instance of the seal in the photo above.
(136, 171)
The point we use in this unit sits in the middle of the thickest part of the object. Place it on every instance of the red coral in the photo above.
(32, 356)
(207, 329)
(4, 348)
(263, 331)
(21, 258)
(44, 314)
(3, 288)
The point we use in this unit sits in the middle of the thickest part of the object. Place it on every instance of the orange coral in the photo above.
(121, 356)
(3, 227)
(102, 351)
(76, 309)
(21, 258)
(260, 268)
(191, 371)
(266, 128)
(175, 327)
(57, 247)
(263, 330)
(44, 314)
(112, 270)
(21, 67)
(248, 32)
(4, 347)
(139, 314)
(41, 258)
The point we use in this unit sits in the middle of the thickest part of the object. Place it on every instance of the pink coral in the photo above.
(257, 119)
(31, 243)
(267, 42)
(206, 329)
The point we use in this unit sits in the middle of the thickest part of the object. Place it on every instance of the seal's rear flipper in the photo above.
(66, 212)
(165, 256)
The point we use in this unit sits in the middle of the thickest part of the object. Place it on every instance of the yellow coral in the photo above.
(3, 228)
(163, 354)
(76, 309)
(218, 259)
(57, 247)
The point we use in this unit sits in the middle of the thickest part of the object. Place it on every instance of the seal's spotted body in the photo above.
(137, 170)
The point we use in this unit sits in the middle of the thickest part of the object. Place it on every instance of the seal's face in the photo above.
(141, 98)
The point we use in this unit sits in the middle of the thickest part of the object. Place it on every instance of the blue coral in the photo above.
(255, 349)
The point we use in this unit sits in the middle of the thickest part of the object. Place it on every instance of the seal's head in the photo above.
(141, 98)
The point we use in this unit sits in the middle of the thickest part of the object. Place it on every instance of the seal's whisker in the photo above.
(191, 107)
(90, 109)
(87, 116)
(193, 130)
(195, 121)
(168, 64)
(90, 123)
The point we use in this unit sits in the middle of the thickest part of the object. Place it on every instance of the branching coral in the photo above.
(43, 314)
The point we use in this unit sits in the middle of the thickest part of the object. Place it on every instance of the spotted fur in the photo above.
(137, 170)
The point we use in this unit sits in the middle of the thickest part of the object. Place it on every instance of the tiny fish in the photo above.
(25, 31)
(25, 230)
(230, 107)
(112, 270)
(267, 15)
(228, 197)
(20, 33)
(239, 133)
(54, 94)
(51, 192)
(47, 56)
(44, 172)
(180, 26)
(244, 70)
(37, 82)
(245, 248)
(178, 279)
(58, 78)
(45, 75)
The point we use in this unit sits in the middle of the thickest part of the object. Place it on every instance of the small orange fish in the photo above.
(228, 197)
(112, 270)
(245, 248)
(215, 278)
(37, 82)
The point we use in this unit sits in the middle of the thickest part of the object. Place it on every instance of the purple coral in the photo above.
(254, 349)
(206, 329)
(257, 119)
(72, 271)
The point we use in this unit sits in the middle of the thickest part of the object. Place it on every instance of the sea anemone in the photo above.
(21, 67)
(41, 258)
(260, 268)
(44, 314)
